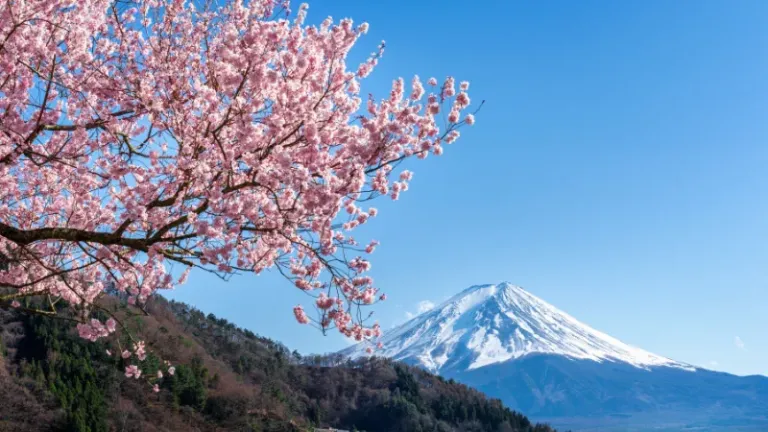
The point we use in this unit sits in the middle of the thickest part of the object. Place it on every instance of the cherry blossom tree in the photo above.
(142, 139)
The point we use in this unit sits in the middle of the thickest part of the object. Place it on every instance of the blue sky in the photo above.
(617, 170)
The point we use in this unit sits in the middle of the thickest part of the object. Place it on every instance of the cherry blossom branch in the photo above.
(219, 137)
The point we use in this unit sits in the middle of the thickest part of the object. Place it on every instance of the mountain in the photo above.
(491, 324)
(514, 346)
(226, 379)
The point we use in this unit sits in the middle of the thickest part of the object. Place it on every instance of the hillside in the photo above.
(226, 379)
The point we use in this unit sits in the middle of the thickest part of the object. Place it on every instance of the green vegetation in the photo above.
(73, 371)
(227, 378)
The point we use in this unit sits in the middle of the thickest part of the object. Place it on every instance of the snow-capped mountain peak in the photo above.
(488, 324)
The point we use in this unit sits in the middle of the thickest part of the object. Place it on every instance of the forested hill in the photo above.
(227, 379)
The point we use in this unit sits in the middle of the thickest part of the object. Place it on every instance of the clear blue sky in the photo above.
(619, 170)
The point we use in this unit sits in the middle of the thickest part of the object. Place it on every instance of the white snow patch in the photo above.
(467, 329)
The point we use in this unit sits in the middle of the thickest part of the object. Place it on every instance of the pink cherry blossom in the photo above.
(138, 349)
(111, 325)
(371, 246)
(171, 370)
(301, 317)
(368, 296)
(323, 302)
(448, 88)
(156, 388)
(462, 100)
(417, 90)
(452, 136)
(469, 119)
(132, 371)
(94, 329)
(159, 374)
(238, 143)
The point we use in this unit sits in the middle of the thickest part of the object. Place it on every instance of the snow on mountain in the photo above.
(536, 359)
(490, 324)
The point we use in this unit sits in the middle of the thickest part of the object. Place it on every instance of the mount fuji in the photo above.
(539, 360)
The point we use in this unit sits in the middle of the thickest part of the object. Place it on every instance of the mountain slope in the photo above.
(512, 345)
(487, 324)
(226, 379)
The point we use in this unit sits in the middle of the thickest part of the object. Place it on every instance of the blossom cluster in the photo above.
(94, 329)
(133, 371)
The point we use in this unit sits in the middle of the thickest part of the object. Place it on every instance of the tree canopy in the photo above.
(142, 138)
